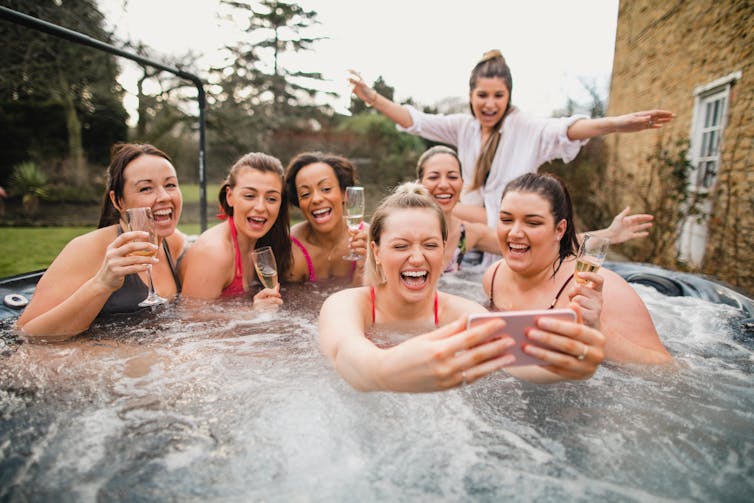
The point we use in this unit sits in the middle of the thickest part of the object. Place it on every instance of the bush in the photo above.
(29, 182)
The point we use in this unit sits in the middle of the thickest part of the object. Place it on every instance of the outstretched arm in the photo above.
(393, 111)
(625, 227)
(584, 129)
(437, 360)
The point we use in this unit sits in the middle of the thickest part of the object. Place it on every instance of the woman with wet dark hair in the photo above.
(101, 272)
(538, 271)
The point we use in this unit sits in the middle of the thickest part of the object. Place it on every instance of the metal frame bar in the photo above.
(80, 38)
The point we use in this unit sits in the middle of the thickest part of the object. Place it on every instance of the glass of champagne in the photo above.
(355, 207)
(141, 219)
(591, 254)
(266, 266)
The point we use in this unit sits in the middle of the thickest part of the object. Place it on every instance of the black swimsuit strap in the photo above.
(492, 285)
(171, 264)
(557, 296)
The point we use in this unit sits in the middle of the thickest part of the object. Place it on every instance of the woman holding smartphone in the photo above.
(405, 260)
(538, 240)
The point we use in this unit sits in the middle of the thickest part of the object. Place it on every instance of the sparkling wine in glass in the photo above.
(591, 254)
(355, 207)
(141, 219)
(266, 266)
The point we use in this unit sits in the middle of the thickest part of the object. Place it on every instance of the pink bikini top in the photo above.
(236, 286)
(310, 263)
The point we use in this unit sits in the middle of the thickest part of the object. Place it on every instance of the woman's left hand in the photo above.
(357, 242)
(588, 296)
(268, 299)
(639, 121)
(575, 351)
(625, 227)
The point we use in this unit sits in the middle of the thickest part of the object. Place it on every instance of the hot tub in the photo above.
(195, 404)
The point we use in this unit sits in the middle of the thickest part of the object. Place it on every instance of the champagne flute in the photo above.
(591, 254)
(355, 206)
(266, 266)
(141, 219)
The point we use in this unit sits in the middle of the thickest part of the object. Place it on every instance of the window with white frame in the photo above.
(709, 122)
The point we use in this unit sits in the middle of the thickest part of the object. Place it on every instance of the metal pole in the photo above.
(80, 38)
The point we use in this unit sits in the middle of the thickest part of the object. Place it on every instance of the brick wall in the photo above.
(663, 51)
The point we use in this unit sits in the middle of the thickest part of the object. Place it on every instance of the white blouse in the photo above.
(526, 143)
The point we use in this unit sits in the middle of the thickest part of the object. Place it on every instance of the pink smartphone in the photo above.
(516, 323)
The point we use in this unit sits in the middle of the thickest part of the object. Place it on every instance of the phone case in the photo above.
(516, 324)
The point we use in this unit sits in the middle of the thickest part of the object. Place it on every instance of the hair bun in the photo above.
(409, 188)
(491, 54)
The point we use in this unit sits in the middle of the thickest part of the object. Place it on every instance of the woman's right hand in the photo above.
(118, 261)
(444, 358)
(360, 88)
(574, 350)
(268, 299)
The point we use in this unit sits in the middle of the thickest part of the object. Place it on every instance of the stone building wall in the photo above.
(663, 51)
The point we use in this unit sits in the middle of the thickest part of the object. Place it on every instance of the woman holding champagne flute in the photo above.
(106, 271)
(219, 263)
(325, 245)
(538, 241)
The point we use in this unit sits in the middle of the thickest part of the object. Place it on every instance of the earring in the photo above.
(381, 274)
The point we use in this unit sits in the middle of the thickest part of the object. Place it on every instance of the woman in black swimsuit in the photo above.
(539, 243)
(97, 273)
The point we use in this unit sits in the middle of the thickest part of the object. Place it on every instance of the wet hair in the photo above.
(553, 189)
(410, 195)
(430, 153)
(492, 65)
(121, 155)
(344, 170)
(278, 236)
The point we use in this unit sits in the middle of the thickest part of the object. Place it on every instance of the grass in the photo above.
(26, 249)
(190, 192)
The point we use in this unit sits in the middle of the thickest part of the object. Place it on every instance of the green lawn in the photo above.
(190, 192)
(25, 249)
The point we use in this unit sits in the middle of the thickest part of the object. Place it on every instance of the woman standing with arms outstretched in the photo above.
(498, 142)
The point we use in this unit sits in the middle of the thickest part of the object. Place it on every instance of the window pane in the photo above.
(716, 113)
(705, 142)
(707, 114)
(711, 146)
(709, 174)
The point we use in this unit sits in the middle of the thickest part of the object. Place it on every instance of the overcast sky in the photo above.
(425, 49)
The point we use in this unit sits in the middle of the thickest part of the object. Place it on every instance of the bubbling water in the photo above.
(199, 402)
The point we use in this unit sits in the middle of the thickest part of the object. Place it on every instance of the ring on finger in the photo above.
(583, 355)
(463, 378)
(650, 122)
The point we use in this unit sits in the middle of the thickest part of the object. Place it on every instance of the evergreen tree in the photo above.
(58, 100)
(256, 92)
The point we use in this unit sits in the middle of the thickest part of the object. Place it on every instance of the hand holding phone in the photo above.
(516, 325)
